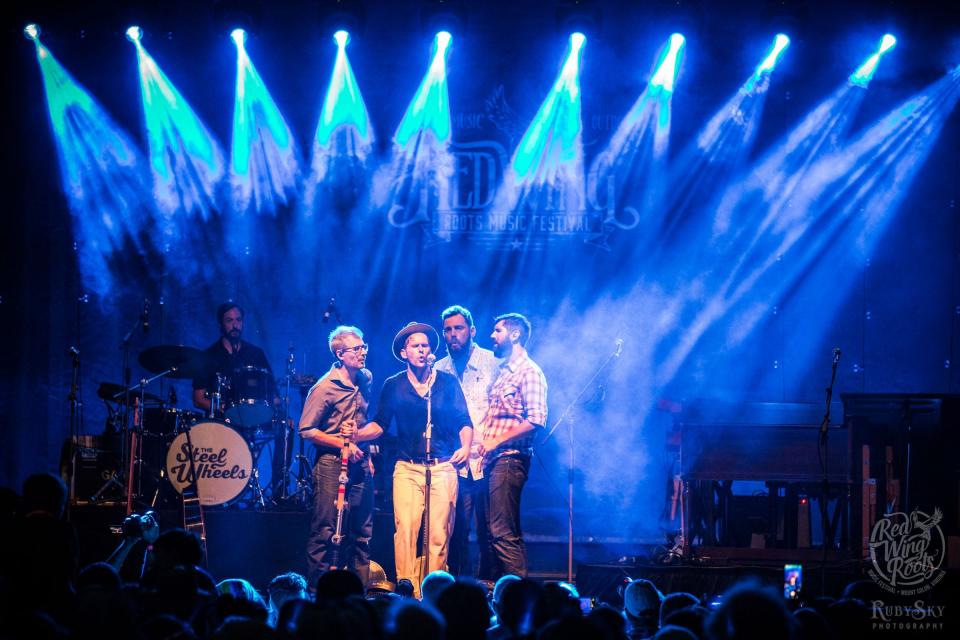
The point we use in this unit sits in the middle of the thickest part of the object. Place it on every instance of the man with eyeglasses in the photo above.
(410, 400)
(335, 417)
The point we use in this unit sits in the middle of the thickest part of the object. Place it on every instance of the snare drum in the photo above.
(250, 398)
(221, 458)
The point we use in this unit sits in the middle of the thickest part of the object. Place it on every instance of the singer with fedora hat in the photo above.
(410, 400)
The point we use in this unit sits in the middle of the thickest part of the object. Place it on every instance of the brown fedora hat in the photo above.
(400, 340)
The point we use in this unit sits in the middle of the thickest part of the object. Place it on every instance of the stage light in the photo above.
(185, 158)
(239, 37)
(666, 73)
(547, 164)
(101, 173)
(342, 142)
(780, 44)
(134, 34)
(443, 41)
(263, 158)
(31, 31)
(888, 42)
(862, 76)
(577, 40)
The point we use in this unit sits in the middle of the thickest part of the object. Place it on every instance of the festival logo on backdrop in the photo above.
(464, 197)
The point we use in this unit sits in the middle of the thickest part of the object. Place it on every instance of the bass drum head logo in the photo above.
(221, 459)
(907, 551)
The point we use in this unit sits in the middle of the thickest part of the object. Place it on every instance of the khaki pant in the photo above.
(409, 481)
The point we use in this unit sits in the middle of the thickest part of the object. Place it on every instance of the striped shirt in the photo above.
(520, 392)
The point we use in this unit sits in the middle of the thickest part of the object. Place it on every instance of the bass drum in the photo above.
(221, 459)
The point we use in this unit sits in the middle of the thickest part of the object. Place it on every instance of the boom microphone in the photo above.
(331, 307)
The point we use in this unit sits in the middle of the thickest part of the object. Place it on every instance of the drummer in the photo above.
(227, 355)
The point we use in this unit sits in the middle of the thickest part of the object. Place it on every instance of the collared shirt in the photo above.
(520, 392)
(402, 405)
(479, 374)
(333, 400)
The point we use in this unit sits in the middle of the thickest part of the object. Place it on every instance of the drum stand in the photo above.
(304, 489)
(256, 488)
(281, 485)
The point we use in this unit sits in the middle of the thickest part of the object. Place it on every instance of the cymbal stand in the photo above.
(136, 445)
(217, 397)
(303, 489)
(125, 378)
(281, 484)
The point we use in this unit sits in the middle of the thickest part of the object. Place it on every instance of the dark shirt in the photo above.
(225, 363)
(401, 404)
(333, 400)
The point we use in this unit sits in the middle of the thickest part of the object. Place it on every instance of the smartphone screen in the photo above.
(586, 604)
(792, 581)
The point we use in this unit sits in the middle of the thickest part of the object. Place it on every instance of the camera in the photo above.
(135, 524)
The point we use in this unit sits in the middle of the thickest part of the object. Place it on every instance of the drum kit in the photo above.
(166, 448)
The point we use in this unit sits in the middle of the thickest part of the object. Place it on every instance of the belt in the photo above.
(424, 461)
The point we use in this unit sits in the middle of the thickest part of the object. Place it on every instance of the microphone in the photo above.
(330, 309)
(145, 315)
(431, 359)
(619, 350)
(73, 352)
(836, 355)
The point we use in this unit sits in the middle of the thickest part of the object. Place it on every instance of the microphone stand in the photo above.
(428, 480)
(823, 453)
(287, 429)
(565, 417)
(76, 409)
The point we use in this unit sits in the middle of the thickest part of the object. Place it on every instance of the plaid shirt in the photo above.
(519, 393)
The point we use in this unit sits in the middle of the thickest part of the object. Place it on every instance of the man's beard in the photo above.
(460, 351)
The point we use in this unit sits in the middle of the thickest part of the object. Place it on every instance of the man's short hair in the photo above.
(518, 322)
(287, 586)
(226, 306)
(457, 310)
(335, 339)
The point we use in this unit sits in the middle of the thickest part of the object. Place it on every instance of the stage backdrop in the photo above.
(730, 225)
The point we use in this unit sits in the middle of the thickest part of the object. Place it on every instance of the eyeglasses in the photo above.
(360, 348)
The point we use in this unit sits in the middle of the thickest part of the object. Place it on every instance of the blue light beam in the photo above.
(343, 140)
(846, 199)
(263, 160)
(546, 170)
(625, 178)
(669, 64)
(766, 67)
(101, 172)
(862, 76)
(418, 178)
(704, 170)
(185, 159)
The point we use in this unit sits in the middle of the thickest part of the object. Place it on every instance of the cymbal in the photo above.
(113, 392)
(188, 362)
